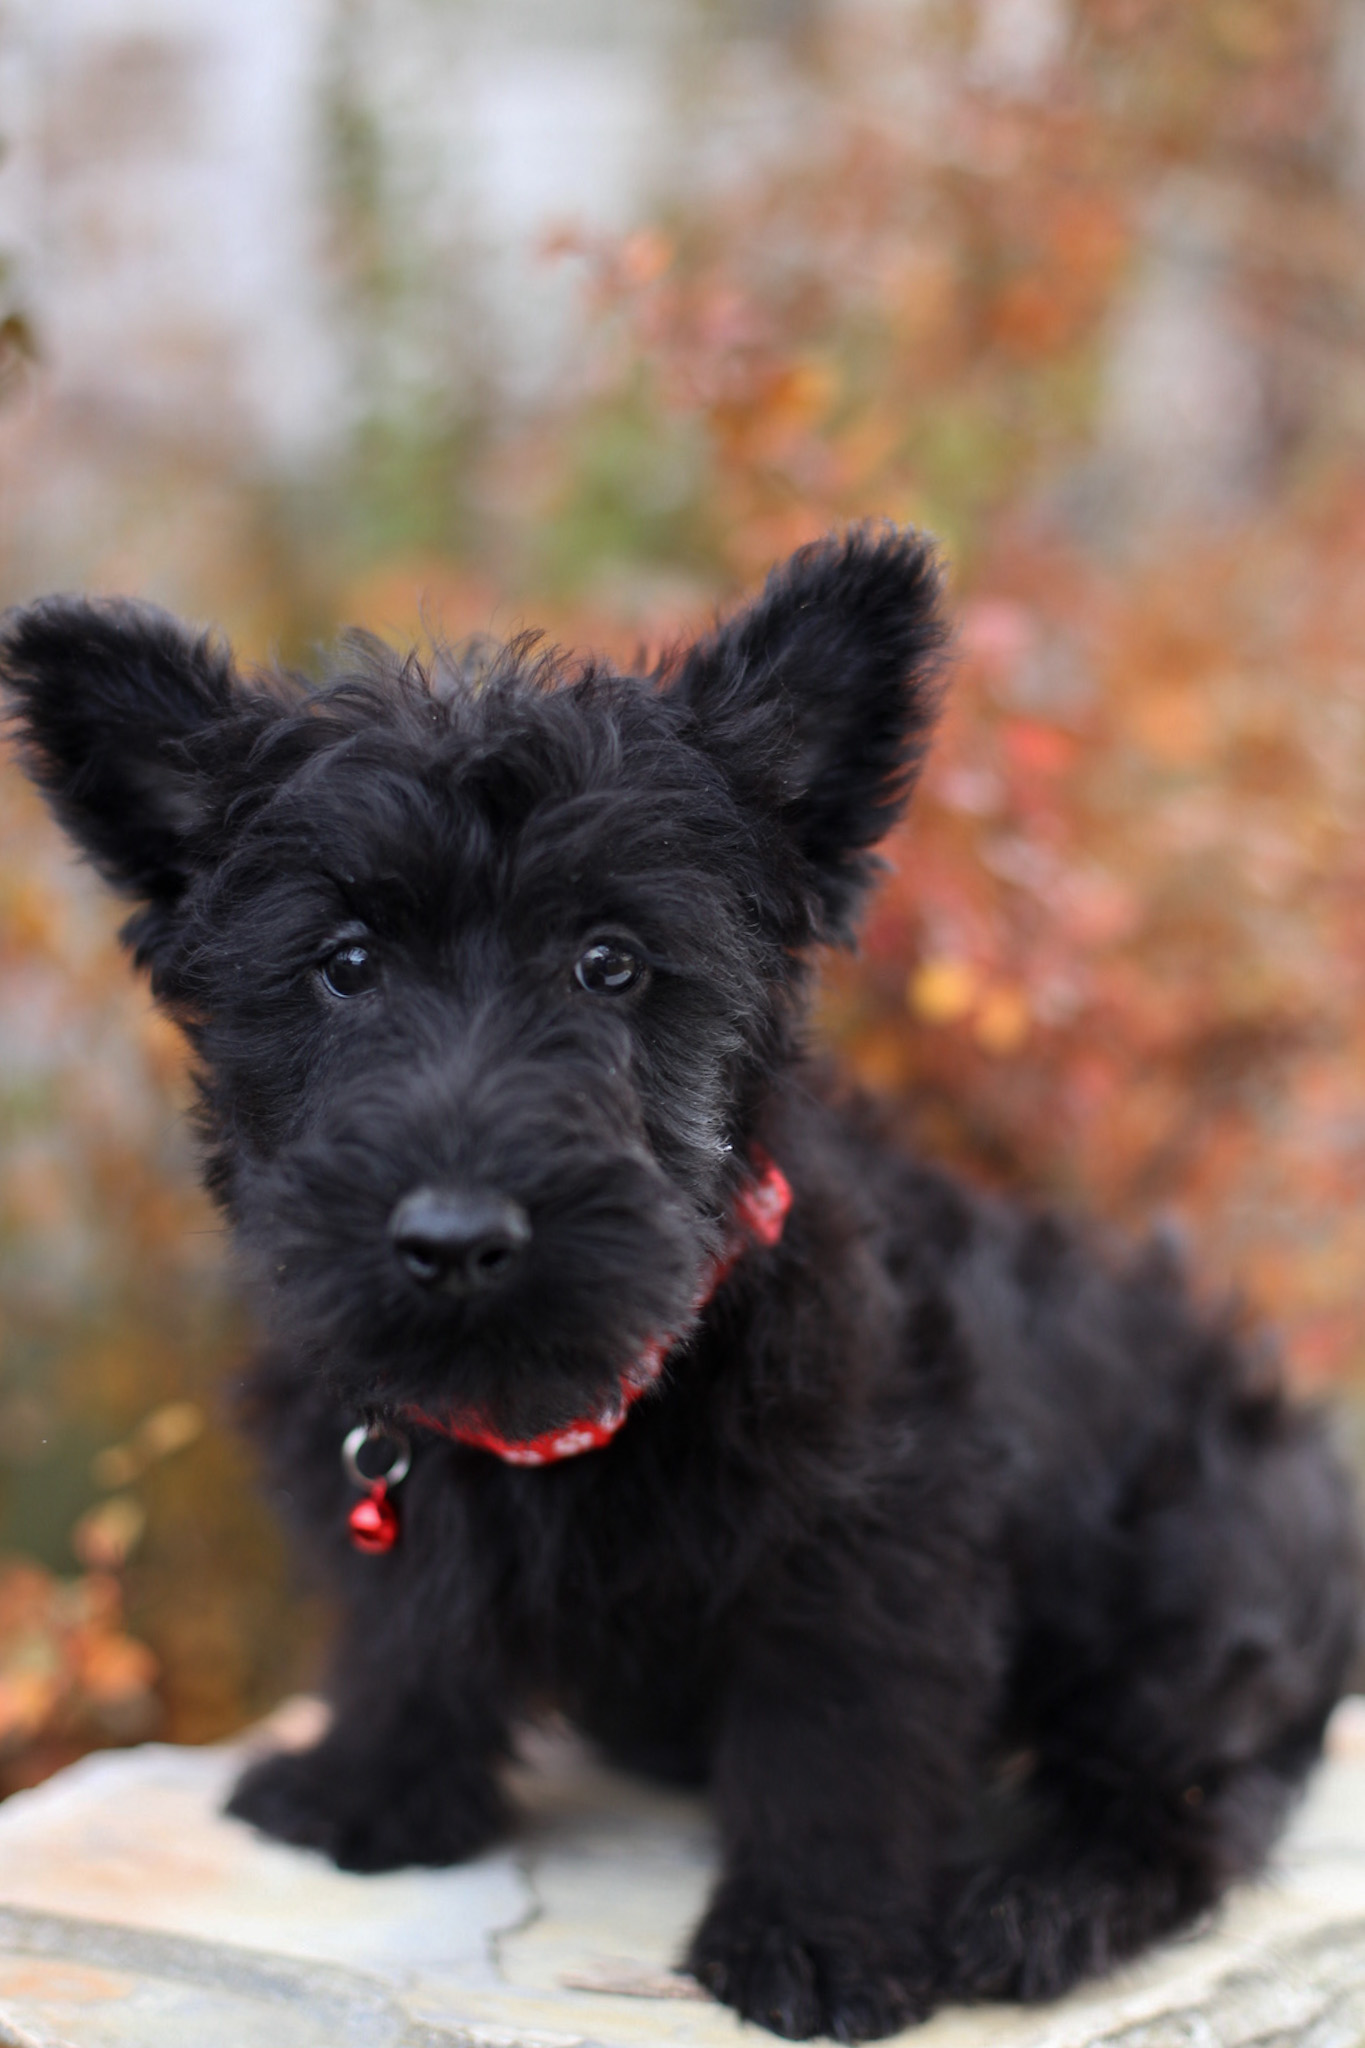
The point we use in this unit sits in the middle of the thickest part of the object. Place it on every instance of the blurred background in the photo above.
(472, 314)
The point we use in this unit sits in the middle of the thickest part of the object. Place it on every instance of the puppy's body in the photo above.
(496, 989)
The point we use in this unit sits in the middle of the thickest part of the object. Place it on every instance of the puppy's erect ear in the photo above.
(817, 701)
(105, 699)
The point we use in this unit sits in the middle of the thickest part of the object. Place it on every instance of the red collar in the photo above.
(759, 1217)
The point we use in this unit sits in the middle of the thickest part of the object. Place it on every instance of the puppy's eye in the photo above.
(608, 969)
(351, 971)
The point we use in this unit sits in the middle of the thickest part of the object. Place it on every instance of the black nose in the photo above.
(460, 1243)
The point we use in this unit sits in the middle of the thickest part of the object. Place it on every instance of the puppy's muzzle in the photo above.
(459, 1243)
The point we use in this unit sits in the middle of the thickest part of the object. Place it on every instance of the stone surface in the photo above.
(131, 1913)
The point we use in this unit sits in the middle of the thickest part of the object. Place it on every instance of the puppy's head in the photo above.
(487, 967)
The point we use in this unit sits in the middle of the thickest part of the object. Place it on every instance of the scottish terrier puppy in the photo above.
(613, 1361)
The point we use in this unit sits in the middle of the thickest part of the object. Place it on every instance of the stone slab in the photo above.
(132, 1912)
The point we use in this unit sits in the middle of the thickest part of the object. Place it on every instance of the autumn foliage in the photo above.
(1119, 959)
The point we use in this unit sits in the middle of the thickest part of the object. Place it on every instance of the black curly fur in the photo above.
(928, 1489)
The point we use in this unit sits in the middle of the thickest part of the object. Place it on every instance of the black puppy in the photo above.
(778, 1460)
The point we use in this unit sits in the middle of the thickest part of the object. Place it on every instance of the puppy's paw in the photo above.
(801, 1973)
(987, 1940)
(365, 1814)
(1031, 1933)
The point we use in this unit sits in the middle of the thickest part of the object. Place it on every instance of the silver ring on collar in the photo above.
(376, 1433)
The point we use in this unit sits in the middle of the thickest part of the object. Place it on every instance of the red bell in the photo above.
(373, 1522)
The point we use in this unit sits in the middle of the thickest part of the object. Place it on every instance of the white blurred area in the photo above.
(236, 225)
(159, 220)
(160, 210)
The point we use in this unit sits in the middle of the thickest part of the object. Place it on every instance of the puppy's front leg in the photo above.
(843, 1761)
(406, 1772)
